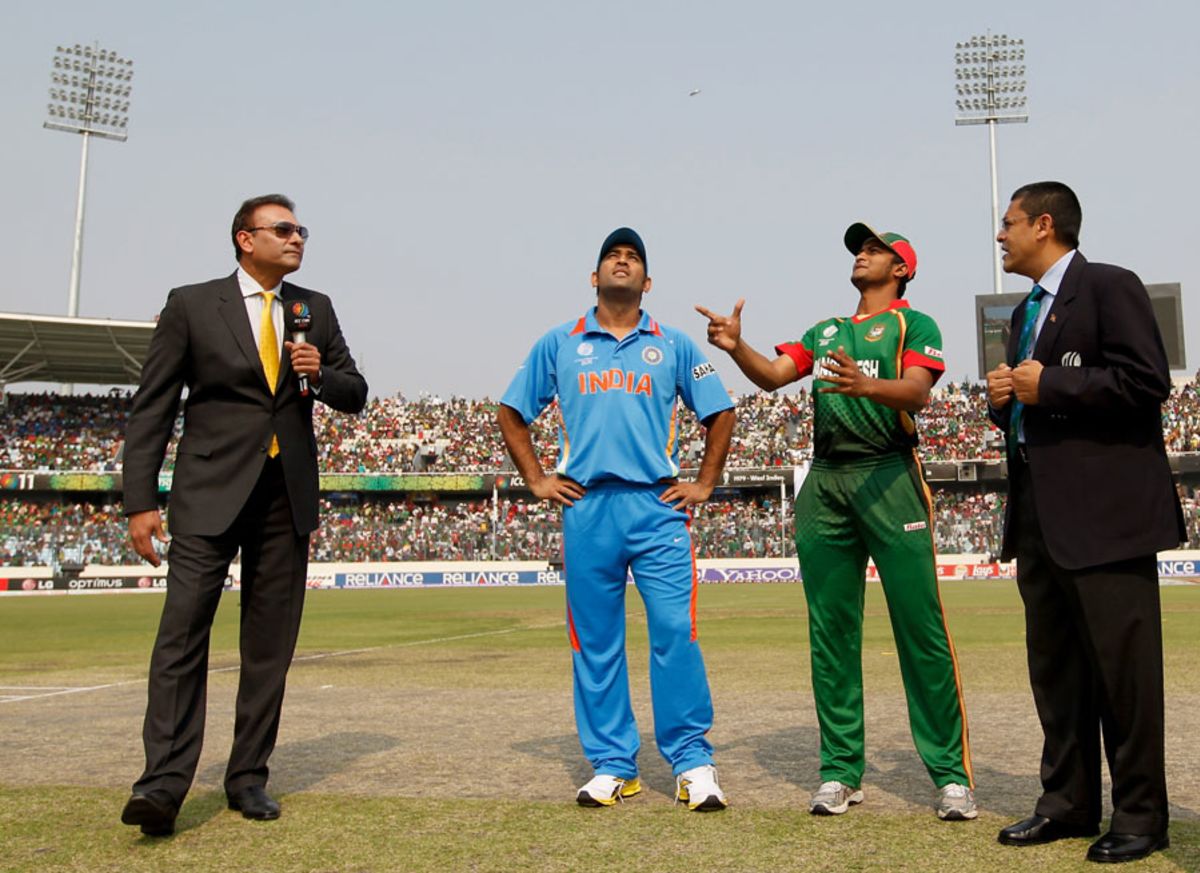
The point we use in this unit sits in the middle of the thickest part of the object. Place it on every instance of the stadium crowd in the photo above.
(389, 528)
(62, 432)
(67, 531)
(394, 435)
(51, 432)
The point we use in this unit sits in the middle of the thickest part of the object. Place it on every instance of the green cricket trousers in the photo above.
(880, 508)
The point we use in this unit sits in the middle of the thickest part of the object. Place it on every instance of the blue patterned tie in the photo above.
(1033, 305)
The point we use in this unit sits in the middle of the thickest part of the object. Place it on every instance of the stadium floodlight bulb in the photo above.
(94, 73)
(89, 96)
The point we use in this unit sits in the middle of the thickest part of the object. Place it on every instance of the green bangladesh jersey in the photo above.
(883, 345)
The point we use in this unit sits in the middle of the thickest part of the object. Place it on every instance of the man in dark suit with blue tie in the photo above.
(245, 480)
(1091, 500)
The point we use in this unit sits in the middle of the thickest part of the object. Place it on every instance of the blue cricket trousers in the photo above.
(618, 527)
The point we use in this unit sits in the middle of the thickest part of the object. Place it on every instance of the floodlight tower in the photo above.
(990, 74)
(89, 95)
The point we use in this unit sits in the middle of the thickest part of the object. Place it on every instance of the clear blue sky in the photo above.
(460, 162)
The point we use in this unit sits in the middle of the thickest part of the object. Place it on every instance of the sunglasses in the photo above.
(282, 229)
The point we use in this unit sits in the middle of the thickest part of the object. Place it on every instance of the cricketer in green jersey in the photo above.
(865, 497)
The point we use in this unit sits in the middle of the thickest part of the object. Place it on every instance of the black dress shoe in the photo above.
(255, 803)
(1038, 829)
(1114, 848)
(155, 811)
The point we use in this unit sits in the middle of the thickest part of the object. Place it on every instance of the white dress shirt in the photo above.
(252, 294)
(1050, 282)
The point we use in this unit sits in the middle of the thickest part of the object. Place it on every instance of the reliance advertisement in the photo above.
(443, 578)
(1174, 568)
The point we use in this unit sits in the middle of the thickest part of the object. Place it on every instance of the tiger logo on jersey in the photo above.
(875, 333)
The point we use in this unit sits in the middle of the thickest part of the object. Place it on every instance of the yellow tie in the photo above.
(268, 353)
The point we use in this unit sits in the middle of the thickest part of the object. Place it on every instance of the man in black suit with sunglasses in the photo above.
(245, 479)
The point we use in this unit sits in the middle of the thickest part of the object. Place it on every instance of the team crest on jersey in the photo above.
(829, 331)
(652, 355)
(585, 349)
(875, 333)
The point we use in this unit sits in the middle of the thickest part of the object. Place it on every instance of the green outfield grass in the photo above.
(434, 647)
(746, 631)
(327, 833)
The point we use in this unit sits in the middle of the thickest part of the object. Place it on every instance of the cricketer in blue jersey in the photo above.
(618, 376)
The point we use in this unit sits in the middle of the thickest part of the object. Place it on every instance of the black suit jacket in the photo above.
(204, 341)
(1102, 485)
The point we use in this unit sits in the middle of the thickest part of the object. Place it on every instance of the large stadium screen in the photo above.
(993, 317)
(1167, 300)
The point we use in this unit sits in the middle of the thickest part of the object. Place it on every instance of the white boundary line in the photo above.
(431, 641)
(59, 690)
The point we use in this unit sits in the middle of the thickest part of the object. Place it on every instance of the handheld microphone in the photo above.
(298, 321)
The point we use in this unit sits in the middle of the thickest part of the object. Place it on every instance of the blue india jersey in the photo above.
(617, 398)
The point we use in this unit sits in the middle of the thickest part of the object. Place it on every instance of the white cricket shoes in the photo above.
(956, 803)
(834, 798)
(606, 790)
(698, 788)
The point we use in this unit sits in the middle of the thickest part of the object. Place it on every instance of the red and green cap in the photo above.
(858, 233)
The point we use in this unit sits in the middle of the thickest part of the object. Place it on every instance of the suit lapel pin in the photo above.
(1053, 317)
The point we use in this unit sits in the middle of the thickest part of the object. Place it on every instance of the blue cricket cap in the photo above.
(624, 236)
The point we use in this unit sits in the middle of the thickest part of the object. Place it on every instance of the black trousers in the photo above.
(274, 572)
(1094, 640)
